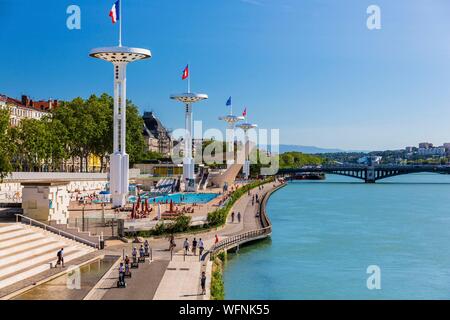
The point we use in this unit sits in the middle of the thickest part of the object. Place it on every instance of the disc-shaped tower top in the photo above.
(189, 97)
(247, 126)
(232, 118)
(120, 54)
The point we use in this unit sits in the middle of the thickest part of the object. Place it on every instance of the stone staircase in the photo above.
(218, 178)
(26, 251)
(86, 235)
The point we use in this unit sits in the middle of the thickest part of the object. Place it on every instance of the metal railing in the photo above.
(46, 227)
(241, 238)
(108, 227)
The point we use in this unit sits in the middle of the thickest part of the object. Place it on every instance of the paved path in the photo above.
(143, 283)
(176, 277)
(182, 279)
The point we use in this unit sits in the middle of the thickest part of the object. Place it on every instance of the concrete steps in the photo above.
(76, 232)
(14, 234)
(8, 228)
(20, 240)
(25, 247)
(26, 251)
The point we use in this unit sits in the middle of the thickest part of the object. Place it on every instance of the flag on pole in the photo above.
(115, 12)
(244, 114)
(185, 73)
(229, 101)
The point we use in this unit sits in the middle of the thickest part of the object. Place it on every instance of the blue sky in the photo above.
(308, 67)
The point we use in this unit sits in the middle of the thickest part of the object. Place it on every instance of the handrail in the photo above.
(46, 227)
(249, 235)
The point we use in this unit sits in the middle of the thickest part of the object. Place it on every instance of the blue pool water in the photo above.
(188, 198)
(327, 233)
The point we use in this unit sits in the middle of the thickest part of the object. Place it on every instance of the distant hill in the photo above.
(313, 150)
(306, 149)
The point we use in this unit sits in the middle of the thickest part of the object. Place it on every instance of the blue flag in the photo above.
(229, 101)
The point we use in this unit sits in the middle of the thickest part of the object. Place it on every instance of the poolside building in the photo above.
(156, 136)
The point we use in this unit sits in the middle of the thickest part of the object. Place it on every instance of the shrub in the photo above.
(181, 224)
(217, 285)
(159, 229)
(219, 217)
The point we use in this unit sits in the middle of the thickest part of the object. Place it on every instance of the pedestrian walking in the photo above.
(239, 217)
(194, 246)
(186, 246)
(217, 239)
(60, 256)
(171, 242)
(232, 217)
(203, 283)
(201, 246)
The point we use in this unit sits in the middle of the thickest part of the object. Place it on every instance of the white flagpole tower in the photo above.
(119, 162)
(188, 161)
(231, 121)
(246, 126)
(120, 23)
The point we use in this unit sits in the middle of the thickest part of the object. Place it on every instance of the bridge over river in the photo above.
(370, 174)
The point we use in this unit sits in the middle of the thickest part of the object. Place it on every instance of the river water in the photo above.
(327, 233)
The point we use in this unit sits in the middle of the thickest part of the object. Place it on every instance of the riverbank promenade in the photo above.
(176, 277)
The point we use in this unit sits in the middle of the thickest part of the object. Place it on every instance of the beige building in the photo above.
(26, 108)
(156, 136)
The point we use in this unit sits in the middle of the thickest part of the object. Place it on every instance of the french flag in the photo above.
(115, 12)
(185, 73)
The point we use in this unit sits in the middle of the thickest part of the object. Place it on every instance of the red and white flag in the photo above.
(115, 11)
(185, 73)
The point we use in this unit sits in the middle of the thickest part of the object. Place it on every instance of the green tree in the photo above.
(5, 145)
(135, 140)
(34, 143)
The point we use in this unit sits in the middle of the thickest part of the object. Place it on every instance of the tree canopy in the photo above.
(298, 159)
(5, 145)
(77, 128)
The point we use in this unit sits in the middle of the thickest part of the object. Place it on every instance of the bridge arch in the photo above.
(371, 174)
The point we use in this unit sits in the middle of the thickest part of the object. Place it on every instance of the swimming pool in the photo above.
(188, 198)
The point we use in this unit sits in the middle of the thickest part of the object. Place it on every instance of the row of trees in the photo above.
(5, 155)
(297, 159)
(76, 129)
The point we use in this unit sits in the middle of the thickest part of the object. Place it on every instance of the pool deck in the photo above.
(93, 210)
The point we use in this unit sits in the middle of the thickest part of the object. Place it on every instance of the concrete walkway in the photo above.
(175, 277)
(182, 279)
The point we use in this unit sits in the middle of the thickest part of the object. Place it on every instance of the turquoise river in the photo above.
(326, 234)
